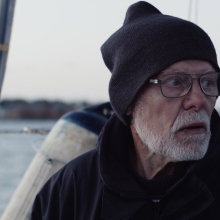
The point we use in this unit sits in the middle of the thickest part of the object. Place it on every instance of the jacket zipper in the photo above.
(156, 210)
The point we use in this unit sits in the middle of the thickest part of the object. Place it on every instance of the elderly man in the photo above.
(158, 155)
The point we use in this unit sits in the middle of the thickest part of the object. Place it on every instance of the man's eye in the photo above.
(172, 82)
(207, 83)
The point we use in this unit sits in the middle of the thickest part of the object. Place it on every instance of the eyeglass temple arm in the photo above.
(155, 81)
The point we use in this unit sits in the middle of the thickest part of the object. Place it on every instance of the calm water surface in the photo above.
(16, 153)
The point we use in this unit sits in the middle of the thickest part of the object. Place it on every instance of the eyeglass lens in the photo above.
(177, 85)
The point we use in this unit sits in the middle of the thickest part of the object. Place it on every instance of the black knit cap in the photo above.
(146, 44)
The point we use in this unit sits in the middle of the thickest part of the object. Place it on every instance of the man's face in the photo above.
(177, 128)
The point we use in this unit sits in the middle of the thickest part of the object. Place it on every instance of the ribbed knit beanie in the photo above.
(146, 44)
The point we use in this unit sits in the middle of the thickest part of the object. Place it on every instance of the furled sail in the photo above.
(6, 18)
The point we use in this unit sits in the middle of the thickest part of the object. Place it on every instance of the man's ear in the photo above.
(129, 111)
(128, 115)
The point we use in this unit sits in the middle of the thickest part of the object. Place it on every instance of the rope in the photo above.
(50, 158)
(25, 130)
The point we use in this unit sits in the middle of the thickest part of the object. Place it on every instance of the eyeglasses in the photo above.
(179, 84)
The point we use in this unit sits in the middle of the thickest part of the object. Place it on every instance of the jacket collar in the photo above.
(114, 143)
(188, 201)
(123, 197)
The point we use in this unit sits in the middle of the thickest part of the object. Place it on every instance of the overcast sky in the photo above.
(55, 45)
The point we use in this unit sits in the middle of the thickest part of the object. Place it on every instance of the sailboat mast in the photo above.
(6, 18)
(196, 6)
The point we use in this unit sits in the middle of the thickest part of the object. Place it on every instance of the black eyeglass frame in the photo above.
(159, 82)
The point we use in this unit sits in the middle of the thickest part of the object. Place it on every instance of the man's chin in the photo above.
(189, 152)
(192, 148)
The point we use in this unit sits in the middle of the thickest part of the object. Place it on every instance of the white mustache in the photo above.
(187, 118)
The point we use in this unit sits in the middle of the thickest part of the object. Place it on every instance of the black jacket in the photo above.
(99, 185)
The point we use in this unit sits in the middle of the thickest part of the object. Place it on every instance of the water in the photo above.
(16, 153)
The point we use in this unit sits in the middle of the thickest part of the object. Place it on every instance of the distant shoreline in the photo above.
(38, 109)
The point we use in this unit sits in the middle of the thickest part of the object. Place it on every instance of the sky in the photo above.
(55, 45)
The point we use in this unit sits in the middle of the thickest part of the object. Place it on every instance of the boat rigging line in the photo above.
(26, 130)
(196, 6)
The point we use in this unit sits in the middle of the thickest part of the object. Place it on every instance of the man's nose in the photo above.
(195, 98)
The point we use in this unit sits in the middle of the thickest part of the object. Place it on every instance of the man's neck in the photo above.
(148, 164)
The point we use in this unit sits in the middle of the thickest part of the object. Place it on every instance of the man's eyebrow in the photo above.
(210, 70)
(171, 71)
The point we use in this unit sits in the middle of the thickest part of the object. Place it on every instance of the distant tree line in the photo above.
(38, 109)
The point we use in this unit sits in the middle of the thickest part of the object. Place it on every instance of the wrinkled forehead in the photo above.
(191, 67)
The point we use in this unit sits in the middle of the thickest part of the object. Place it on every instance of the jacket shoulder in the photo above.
(57, 199)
